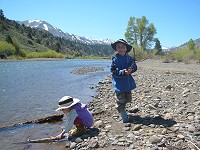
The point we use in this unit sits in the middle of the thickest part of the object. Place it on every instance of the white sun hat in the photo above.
(67, 102)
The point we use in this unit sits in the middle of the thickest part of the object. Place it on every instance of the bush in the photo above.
(47, 54)
(197, 54)
(139, 54)
(184, 55)
(7, 48)
(168, 57)
(51, 54)
(32, 55)
(23, 53)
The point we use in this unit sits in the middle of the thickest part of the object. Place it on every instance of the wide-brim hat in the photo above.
(128, 47)
(67, 102)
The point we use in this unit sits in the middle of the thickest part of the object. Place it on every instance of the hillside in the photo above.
(196, 42)
(39, 40)
(59, 33)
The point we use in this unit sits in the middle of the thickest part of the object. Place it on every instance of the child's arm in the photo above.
(133, 66)
(70, 121)
(61, 135)
(115, 70)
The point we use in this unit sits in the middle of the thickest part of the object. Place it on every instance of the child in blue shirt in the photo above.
(123, 65)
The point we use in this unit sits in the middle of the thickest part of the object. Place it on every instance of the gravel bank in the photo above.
(165, 111)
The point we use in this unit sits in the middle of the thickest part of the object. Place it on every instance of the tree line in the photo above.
(141, 35)
(27, 39)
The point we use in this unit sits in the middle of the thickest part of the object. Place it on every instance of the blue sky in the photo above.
(176, 21)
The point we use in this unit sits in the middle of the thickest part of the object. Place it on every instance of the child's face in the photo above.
(121, 48)
(65, 111)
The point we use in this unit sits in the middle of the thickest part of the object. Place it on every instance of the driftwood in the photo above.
(43, 140)
(48, 119)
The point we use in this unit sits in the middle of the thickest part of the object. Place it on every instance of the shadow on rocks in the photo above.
(152, 120)
(91, 132)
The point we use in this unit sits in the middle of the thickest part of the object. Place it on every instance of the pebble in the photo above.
(164, 112)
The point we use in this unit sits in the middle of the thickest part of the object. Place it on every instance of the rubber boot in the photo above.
(124, 116)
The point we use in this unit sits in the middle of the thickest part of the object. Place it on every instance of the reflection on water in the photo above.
(31, 89)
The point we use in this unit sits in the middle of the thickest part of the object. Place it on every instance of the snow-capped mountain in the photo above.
(165, 49)
(59, 33)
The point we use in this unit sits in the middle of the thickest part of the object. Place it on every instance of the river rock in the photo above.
(164, 112)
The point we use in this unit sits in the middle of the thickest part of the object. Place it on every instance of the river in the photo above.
(31, 89)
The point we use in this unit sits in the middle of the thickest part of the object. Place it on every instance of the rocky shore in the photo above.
(165, 111)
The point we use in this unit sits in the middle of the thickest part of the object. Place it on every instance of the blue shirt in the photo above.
(122, 82)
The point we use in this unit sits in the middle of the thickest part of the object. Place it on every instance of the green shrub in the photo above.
(32, 55)
(23, 53)
(197, 54)
(184, 55)
(169, 57)
(47, 54)
(139, 54)
(16, 44)
(7, 48)
(51, 54)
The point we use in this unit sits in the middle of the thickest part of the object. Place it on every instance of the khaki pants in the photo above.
(122, 98)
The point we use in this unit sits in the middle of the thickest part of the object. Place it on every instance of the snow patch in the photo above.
(165, 48)
(45, 27)
(36, 20)
(34, 26)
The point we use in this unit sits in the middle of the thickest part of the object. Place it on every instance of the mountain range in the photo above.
(44, 37)
(59, 33)
(72, 37)
(69, 36)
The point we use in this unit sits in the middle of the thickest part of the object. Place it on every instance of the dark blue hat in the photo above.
(128, 47)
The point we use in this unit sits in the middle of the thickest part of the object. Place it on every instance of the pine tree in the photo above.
(158, 47)
(9, 39)
(2, 14)
(191, 44)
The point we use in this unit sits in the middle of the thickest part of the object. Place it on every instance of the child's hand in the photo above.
(61, 135)
(128, 71)
(58, 137)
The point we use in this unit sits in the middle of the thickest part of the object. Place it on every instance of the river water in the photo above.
(31, 90)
